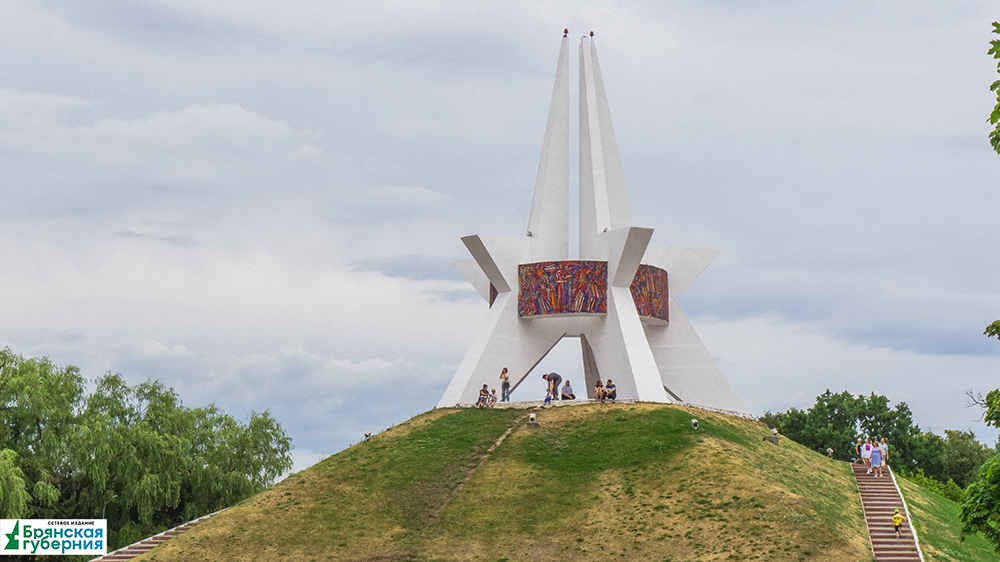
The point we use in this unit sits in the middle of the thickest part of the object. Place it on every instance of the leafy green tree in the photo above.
(877, 420)
(929, 456)
(995, 116)
(837, 420)
(963, 456)
(134, 453)
(14, 496)
(981, 509)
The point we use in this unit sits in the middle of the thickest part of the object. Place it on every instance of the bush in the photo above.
(950, 490)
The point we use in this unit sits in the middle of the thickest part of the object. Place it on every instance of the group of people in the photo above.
(874, 456)
(486, 398)
(602, 391)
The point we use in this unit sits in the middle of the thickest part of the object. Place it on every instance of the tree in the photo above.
(963, 457)
(132, 452)
(981, 509)
(836, 421)
(995, 87)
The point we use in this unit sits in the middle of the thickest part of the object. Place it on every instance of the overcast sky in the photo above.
(259, 203)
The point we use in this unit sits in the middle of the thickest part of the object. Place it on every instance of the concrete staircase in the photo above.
(145, 545)
(880, 498)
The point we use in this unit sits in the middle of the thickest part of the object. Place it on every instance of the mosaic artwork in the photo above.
(649, 291)
(562, 287)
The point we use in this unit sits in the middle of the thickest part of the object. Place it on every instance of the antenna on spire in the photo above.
(565, 32)
(591, 33)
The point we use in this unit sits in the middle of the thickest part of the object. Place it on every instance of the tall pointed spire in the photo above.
(617, 298)
(548, 224)
(604, 202)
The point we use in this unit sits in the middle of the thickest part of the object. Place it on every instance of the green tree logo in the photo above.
(12, 543)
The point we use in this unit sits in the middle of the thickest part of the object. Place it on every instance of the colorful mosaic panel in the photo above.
(562, 287)
(649, 291)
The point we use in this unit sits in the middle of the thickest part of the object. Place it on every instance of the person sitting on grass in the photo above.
(611, 391)
(492, 398)
(897, 521)
(484, 395)
(599, 393)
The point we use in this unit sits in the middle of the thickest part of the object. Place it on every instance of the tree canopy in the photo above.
(134, 453)
(981, 508)
(995, 116)
(836, 421)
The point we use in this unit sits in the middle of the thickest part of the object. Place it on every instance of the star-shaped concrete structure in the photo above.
(619, 297)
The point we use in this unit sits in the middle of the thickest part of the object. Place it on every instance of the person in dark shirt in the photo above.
(611, 391)
(554, 380)
(484, 395)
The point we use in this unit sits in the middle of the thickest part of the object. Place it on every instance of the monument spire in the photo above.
(604, 201)
(617, 298)
(548, 223)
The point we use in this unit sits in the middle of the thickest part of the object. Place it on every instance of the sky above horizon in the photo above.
(259, 204)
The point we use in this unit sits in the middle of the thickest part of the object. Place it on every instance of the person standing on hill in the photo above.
(877, 461)
(504, 386)
(554, 380)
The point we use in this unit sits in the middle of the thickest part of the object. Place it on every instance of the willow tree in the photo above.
(132, 453)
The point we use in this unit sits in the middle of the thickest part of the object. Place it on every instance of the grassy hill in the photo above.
(939, 530)
(595, 482)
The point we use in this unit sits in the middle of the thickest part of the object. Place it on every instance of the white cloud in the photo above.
(256, 203)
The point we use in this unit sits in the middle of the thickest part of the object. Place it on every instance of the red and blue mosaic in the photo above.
(581, 287)
(649, 291)
(562, 287)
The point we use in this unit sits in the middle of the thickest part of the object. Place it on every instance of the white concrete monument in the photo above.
(617, 298)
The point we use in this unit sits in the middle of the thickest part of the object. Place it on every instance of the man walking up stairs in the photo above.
(880, 500)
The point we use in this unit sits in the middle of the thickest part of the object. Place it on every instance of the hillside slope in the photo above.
(940, 530)
(594, 482)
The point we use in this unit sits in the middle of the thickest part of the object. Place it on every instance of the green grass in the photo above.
(594, 482)
(939, 529)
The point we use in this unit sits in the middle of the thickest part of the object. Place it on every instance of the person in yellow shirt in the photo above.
(897, 521)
